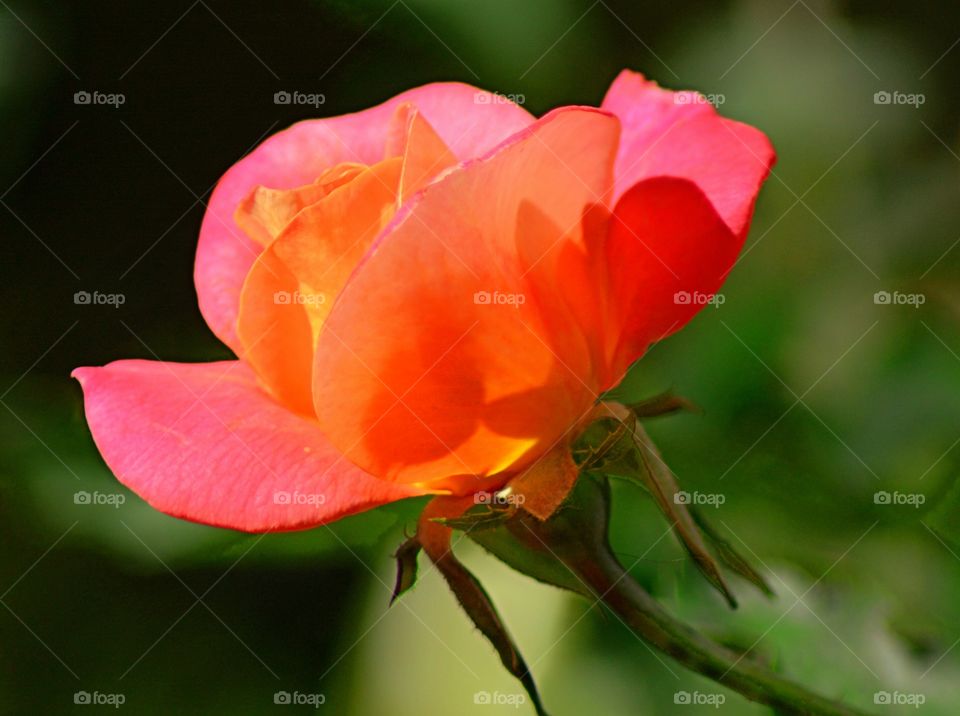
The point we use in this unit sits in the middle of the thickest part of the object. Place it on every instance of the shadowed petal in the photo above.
(680, 134)
(442, 356)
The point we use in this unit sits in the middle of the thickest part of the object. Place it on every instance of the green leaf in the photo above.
(434, 537)
(662, 483)
(406, 556)
(547, 550)
(478, 606)
(664, 404)
(481, 517)
(729, 555)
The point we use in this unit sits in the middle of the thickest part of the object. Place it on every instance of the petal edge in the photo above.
(202, 442)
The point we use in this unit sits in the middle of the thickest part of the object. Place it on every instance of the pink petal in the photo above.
(678, 134)
(463, 116)
(204, 443)
(668, 251)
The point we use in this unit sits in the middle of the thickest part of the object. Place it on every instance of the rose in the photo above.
(401, 383)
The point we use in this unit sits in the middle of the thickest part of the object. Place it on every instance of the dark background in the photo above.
(815, 396)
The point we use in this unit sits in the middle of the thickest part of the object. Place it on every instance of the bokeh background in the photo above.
(815, 395)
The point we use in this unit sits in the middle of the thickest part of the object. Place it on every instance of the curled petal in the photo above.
(680, 134)
(204, 443)
(294, 282)
(463, 116)
(686, 183)
(267, 212)
(424, 153)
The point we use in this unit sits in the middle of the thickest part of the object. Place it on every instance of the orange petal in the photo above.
(443, 355)
(274, 332)
(543, 486)
(424, 153)
(293, 283)
(265, 212)
(470, 121)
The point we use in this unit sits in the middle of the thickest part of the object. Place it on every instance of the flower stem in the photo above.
(649, 620)
(572, 550)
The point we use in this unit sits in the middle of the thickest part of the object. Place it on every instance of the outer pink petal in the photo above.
(679, 134)
(668, 251)
(470, 121)
(204, 443)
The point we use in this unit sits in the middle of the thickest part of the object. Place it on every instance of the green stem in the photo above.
(644, 615)
(571, 550)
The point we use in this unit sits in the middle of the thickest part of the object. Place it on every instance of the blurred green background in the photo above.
(815, 395)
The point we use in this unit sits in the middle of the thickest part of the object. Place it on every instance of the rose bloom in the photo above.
(428, 297)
